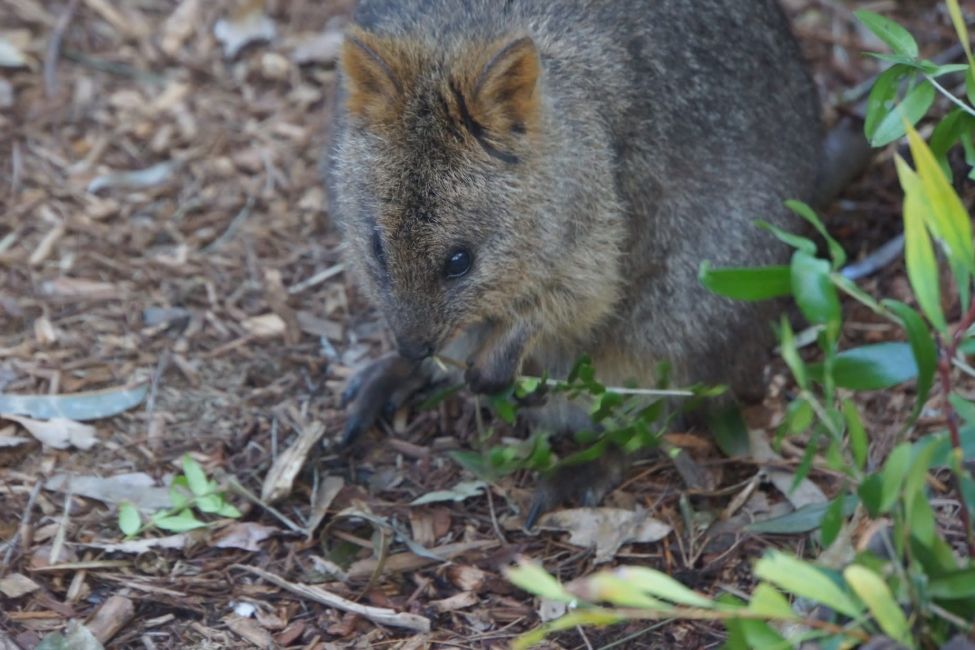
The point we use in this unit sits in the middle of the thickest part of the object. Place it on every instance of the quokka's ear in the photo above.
(505, 93)
(373, 86)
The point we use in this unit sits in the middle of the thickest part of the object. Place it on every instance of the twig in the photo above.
(54, 50)
(944, 91)
(379, 615)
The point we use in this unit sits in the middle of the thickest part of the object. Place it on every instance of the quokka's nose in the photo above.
(414, 350)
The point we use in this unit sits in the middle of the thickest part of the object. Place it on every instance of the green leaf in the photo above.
(802, 520)
(859, 445)
(182, 522)
(749, 284)
(894, 472)
(791, 239)
(836, 252)
(806, 580)
(832, 520)
(873, 591)
(768, 602)
(129, 521)
(922, 347)
(196, 478)
(532, 578)
(872, 367)
(954, 586)
(946, 215)
(179, 493)
(209, 503)
(895, 36)
(813, 290)
(871, 493)
(661, 585)
(729, 430)
(790, 353)
(879, 100)
(958, 20)
(922, 268)
(912, 108)
(229, 511)
(503, 408)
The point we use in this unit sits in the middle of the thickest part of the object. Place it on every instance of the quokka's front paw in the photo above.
(380, 387)
(584, 484)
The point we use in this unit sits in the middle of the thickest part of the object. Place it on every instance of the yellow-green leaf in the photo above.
(946, 215)
(922, 268)
(768, 602)
(962, 29)
(873, 591)
(535, 580)
(661, 585)
(804, 579)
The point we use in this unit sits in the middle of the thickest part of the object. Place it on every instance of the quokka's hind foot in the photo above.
(381, 387)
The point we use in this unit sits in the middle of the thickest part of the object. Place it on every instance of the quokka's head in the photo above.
(433, 173)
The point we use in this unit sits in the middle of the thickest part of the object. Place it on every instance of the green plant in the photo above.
(189, 491)
(914, 585)
(625, 417)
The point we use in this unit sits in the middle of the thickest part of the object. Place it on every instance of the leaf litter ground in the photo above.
(163, 230)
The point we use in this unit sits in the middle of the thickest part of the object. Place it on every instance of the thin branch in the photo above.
(944, 91)
(54, 50)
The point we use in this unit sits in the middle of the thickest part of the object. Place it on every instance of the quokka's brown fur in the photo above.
(589, 156)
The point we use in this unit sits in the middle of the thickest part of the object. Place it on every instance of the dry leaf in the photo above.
(134, 180)
(265, 326)
(91, 405)
(10, 55)
(249, 26)
(59, 433)
(180, 26)
(243, 535)
(137, 488)
(250, 630)
(281, 476)
(605, 529)
(139, 546)
(323, 47)
(16, 585)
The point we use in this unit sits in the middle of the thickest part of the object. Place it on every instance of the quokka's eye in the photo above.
(377, 249)
(458, 263)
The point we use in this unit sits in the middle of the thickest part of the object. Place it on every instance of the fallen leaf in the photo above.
(137, 488)
(805, 494)
(605, 529)
(10, 55)
(265, 326)
(82, 407)
(460, 492)
(248, 26)
(327, 491)
(280, 478)
(323, 47)
(59, 433)
(179, 26)
(16, 585)
(8, 442)
(79, 288)
(467, 578)
(460, 600)
(134, 180)
(244, 535)
(139, 546)
(76, 637)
